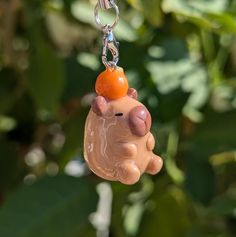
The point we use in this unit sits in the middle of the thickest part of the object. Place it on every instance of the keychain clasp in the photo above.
(110, 43)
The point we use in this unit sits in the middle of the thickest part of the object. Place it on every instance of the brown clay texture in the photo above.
(118, 144)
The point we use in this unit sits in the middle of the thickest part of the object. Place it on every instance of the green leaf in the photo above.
(178, 78)
(150, 9)
(200, 180)
(170, 75)
(79, 79)
(166, 111)
(120, 200)
(226, 22)
(46, 74)
(52, 207)
(167, 215)
(7, 123)
(209, 15)
(214, 134)
(195, 6)
(225, 204)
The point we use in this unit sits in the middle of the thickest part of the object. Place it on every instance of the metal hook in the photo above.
(110, 44)
(109, 41)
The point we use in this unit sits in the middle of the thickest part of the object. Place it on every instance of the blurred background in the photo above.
(181, 57)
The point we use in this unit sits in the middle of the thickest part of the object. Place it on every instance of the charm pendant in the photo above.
(118, 144)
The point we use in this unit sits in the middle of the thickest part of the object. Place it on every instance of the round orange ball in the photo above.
(112, 84)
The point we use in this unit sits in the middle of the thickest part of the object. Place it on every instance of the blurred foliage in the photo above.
(180, 55)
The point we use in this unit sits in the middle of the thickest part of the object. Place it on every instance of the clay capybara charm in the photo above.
(118, 145)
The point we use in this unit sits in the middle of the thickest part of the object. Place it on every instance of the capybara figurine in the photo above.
(118, 142)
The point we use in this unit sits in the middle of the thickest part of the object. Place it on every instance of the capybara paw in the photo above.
(150, 143)
(154, 165)
(128, 172)
(128, 150)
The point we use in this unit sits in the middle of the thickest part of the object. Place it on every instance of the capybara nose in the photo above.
(139, 121)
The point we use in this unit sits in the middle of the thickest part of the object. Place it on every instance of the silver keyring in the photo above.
(102, 26)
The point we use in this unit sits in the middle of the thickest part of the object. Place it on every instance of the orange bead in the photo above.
(112, 84)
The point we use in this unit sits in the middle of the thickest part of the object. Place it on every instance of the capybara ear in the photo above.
(132, 93)
(99, 105)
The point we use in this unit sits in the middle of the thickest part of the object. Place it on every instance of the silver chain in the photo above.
(109, 41)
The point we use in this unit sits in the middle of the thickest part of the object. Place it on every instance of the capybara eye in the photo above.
(119, 114)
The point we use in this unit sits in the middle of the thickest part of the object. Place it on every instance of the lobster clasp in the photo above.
(110, 44)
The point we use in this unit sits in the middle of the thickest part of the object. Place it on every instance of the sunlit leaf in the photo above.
(206, 14)
(225, 21)
(195, 7)
(6, 123)
(150, 9)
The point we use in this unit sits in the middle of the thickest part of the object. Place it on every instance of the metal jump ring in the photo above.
(102, 26)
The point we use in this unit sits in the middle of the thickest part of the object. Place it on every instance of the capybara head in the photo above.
(127, 111)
